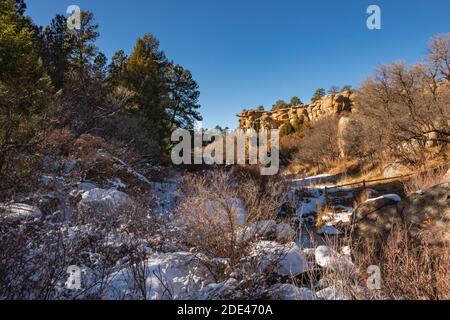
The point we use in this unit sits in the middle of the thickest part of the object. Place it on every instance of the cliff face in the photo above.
(332, 104)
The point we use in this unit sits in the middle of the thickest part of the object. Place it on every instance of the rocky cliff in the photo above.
(329, 105)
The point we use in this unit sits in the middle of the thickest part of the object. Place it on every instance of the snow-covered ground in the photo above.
(133, 256)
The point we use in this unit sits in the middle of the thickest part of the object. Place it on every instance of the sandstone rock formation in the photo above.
(349, 137)
(332, 104)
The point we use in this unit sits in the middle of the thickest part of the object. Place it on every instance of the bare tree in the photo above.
(411, 104)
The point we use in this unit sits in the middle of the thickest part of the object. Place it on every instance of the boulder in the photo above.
(427, 215)
(395, 169)
(96, 203)
(284, 260)
(330, 259)
(374, 219)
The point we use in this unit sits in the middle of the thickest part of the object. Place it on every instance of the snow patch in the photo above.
(393, 197)
(330, 259)
(166, 277)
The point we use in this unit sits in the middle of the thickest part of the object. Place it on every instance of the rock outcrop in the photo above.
(332, 104)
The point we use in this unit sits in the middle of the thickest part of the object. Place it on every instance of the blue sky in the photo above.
(245, 53)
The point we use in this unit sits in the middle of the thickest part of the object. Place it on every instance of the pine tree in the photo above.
(318, 94)
(82, 43)
(116, 67)
(24, 87)
(280, 104)
(295, 101)
(54, 43)
(145, 74)
(183, 98)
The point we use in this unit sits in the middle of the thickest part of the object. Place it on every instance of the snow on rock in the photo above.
(329, 230)
(393, 197)
(111, 199)
(167, 276)
(328, 258)
(286, 260)
(117, 183)
(264, 229)
(267, 230)
(165, 194)
(287, 291)
(19, 211)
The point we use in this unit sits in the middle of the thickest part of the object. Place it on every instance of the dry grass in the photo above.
(322, 213)
(424, 180)
(408, 271)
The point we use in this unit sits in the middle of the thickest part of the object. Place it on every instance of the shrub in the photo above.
(286, 129)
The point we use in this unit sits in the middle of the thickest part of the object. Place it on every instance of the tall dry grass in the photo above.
(425, 179)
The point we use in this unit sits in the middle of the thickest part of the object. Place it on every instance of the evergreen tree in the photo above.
(280, 104)
(55, 44)
(83, 50)
(183, 98)
(318, 94)
(295, 101)
(116, 67)
(286, 129)
(24, 87)
(145, 74)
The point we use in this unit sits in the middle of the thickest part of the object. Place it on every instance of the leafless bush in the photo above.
(320, 144)
(213, 212)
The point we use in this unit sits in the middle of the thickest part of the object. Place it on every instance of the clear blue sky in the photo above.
(244, 53)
